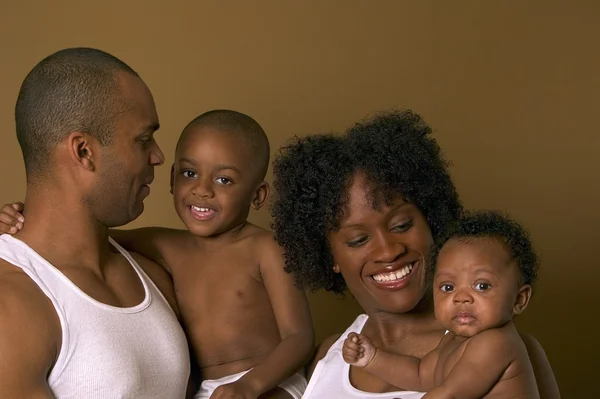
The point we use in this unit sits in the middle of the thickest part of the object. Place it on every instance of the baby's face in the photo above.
(213, 181)
(476, 285)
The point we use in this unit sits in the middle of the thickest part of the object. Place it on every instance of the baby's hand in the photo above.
(358, 350)
(235, 390)
(11, 219)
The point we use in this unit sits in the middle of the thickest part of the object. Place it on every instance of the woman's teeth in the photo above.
(396, 275)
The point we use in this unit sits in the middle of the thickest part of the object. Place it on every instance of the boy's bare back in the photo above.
(232, 295)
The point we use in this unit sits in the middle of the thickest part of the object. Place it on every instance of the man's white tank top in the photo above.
(108, 352)
(330, 380)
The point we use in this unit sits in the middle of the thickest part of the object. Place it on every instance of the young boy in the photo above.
(483, 275)
(248, 325)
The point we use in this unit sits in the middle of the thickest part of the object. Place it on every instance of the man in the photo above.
(80, 317)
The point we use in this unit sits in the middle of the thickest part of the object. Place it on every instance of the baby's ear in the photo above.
(523, 298)
(261, 194)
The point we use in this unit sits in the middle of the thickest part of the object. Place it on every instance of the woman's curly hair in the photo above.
(312, 176)
(493, 224)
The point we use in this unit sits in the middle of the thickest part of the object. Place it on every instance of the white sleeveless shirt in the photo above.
(331, 380)
(108, 352)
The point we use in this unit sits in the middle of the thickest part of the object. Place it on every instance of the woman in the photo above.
(361, 212)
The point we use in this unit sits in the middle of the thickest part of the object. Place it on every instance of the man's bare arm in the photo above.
(29, 337)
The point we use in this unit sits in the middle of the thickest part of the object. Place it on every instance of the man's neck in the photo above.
(63, 231)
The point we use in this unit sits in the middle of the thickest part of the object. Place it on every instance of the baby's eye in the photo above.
(447, 287)
(190, 174)
(482, 286)
(224, 180)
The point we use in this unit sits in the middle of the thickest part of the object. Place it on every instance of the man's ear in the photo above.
(523, 298)
(172, 177)
(261, 194)
(83, 150)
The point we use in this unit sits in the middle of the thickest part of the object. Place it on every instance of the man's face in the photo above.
(126, 167)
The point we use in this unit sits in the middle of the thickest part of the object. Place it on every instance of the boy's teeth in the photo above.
(391, 276)
(198, 209)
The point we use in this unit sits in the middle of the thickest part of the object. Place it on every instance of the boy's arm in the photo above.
(292, 313)
(406, 372)
(11, 218)
(485, 359)
(146, 241)
(29, 337)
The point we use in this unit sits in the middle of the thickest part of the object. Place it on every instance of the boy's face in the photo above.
(214, 181)
(477, 286)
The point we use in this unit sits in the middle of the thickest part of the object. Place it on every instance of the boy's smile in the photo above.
(214, 180)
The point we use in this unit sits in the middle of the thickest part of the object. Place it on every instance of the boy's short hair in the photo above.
(237, 123)
(494, 225)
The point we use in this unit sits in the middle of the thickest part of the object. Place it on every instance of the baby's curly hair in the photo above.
(312, 176)
(495, 225)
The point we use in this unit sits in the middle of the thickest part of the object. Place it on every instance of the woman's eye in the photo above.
(447, 287)
(224, 180)
(402, 226)
(482, 286)
(357, 242)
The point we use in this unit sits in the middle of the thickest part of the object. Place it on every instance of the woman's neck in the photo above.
(388, 329)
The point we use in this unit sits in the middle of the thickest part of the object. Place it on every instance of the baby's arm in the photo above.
(406, 372)
(292, 314)
(485, 359)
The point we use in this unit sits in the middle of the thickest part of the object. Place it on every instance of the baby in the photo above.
(249, 326)
(483, 274)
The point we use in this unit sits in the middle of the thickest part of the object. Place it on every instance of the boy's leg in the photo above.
(276, 393)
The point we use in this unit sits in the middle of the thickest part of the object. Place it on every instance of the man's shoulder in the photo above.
(26, 313)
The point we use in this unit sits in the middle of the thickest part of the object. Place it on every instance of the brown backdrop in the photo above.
(510, 88)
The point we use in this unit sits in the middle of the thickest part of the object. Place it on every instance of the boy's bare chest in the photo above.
(211, 281)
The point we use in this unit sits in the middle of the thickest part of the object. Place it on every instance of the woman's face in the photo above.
(382, 253)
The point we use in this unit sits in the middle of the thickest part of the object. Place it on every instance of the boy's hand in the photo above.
(11, 219)
(358, 350)
(235, 390)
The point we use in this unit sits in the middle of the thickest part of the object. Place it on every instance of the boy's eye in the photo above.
(447, 287)
(482, 286)
(190, 174)
(224, 180)
(359, 241)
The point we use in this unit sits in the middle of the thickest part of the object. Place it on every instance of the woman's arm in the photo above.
(544, 375)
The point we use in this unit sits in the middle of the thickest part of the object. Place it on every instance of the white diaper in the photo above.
(295, 385)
